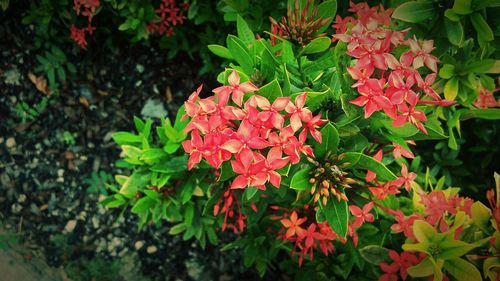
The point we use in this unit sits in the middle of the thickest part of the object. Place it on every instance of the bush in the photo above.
(305, 150)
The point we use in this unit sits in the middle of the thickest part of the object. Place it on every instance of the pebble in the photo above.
(139, 244)
(70, 226)
(10, 143)
(16, 208)
(139, 68)
(95, 222)
(151, 249)
(22, 198)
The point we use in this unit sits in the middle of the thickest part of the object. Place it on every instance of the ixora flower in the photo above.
(257, 137)
(383, 81)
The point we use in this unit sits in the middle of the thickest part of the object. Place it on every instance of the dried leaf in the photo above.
(83, 100)
(168, 95)
(40, 83)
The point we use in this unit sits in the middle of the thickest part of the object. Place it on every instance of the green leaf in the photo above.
(330, 142)
(220, 51)
(271, 90)
(484, 113)
(226, 171)
(451, 89)
(126, 138)
(423, 269)
(174, 165)
(152, 154)
(317, 45)
(454, 31)
(375, 254)
(481, 215)
(240, 53)
(336, 214)
(287, 55)
(133, 183)
(131, 151)
(462, 7)
(415, 11)
(177, 229)
(484, 32)
(424, 232)
(300, 181)
(451, 249)
(447, 71)
(368, 163)
(189, 214)
(462, 270)
(244, 32)
(142, 206)
(323, 63)
(480, 66)
(327, 9)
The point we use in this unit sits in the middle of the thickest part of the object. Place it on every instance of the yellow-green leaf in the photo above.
(451, 89)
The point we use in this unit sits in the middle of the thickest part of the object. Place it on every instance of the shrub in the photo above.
(305, 151)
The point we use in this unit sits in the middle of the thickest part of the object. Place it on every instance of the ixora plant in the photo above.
(304, 150)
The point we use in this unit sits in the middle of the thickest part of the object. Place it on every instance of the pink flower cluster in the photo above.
(307, 239)
(486, 99)
(86, 8)
(399, 266)
(247, 130)
(170, 15)
(436, 207)
(381, 190)
(384, 81)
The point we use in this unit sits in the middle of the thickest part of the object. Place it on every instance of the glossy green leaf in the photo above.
(454, 31)
(152, 154)
(133, 183)
(174, 165)
(462, 270)
(177, 229)
(126, 138)
(483, 113)
(451, 248)
(451, 89)
(240, 53)
(423, 231)
(330, 141)
(415, 11)
(447, 71)
(300, 180)
(462, 7)
(375, 254)
(337, 214)
(484, 31)
(368, 163)
(480, 66)
(317, 45)
(244, 32)
(423, 269)
(220, 51)
(481, 215)
(271, 90)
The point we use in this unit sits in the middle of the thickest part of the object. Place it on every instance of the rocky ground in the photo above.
(56, 158)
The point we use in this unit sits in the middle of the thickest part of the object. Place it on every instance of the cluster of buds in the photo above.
(328, 178)
(299, 25)
(230, 211)
(384, 81)
(170, 15)
(85, 8)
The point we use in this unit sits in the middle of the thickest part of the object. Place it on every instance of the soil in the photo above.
(48, 158)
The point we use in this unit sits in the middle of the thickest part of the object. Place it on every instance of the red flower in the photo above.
(293, 226)
(361, 215)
